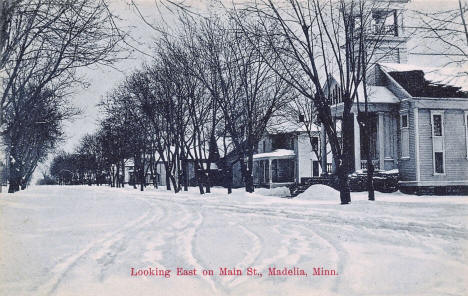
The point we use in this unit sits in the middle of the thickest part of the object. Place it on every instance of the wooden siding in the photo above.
(305, 156)
(456, 163)
(407, 167)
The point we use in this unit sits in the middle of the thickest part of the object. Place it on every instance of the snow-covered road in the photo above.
(85, 241)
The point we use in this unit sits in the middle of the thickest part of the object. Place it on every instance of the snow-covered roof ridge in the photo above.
(452, 76)
(280, 126)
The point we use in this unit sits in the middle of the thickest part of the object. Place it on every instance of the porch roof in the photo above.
(276, 154)
(377, 95)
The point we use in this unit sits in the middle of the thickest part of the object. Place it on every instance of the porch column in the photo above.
(323, 148)
(381, 141)
(357, 144)
(269, 172)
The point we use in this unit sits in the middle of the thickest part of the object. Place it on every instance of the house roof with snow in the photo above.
(456, 77)
(427, 86)
(283, 126)
(279, 153)
(432, 82)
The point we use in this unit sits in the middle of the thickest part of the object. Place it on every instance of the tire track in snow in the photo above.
(341, 256)
(439, 229)
(296, 243)
(186, 243)
(184, 221)
(249, 259)
(60, 270)
(106, 254)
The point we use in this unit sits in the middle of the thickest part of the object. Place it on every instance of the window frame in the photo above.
(404, 130)
(442, 139)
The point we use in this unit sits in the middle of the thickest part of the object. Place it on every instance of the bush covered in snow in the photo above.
(384, 181)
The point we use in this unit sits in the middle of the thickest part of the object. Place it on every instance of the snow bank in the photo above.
(320, 192)
(279, 191)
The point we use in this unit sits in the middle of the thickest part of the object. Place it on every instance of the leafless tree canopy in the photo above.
(42, 44)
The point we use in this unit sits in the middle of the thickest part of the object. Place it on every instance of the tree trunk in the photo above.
(185, 173)
(14, 185)
(123, 173)
(174, 184)
(112, 177)
(117, 175)
(249, 180)
(142, 179)
(229, 179)
(347, 128)
(370, 165)
(198, 174)
(208, 178)
(345, 195)
(15, 178)
(168, 180)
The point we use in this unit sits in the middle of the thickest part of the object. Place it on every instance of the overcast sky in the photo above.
(102, 80)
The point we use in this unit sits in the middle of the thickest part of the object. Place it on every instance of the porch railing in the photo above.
(389, 30)
(375, 162)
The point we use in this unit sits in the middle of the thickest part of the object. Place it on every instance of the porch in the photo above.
(274, 169)
(383, 146)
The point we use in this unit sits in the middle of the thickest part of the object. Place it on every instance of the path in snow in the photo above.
(84, 241)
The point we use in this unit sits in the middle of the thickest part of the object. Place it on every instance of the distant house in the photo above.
(284, 156)
(159, 173)
(158, 176)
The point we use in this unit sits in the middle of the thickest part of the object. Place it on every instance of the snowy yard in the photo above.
(85, 241)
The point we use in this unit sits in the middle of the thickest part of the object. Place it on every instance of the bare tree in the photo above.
(247, 91)
(33, 129)
(43, 43)
(314, 40)
(445, 33)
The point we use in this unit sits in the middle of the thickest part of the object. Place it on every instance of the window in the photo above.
(282, 141)
(439, 162)
(437, 121)
(438, 145)
(315, 144)
(404, 133)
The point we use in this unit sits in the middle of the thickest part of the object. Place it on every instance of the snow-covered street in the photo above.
(81, 240)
